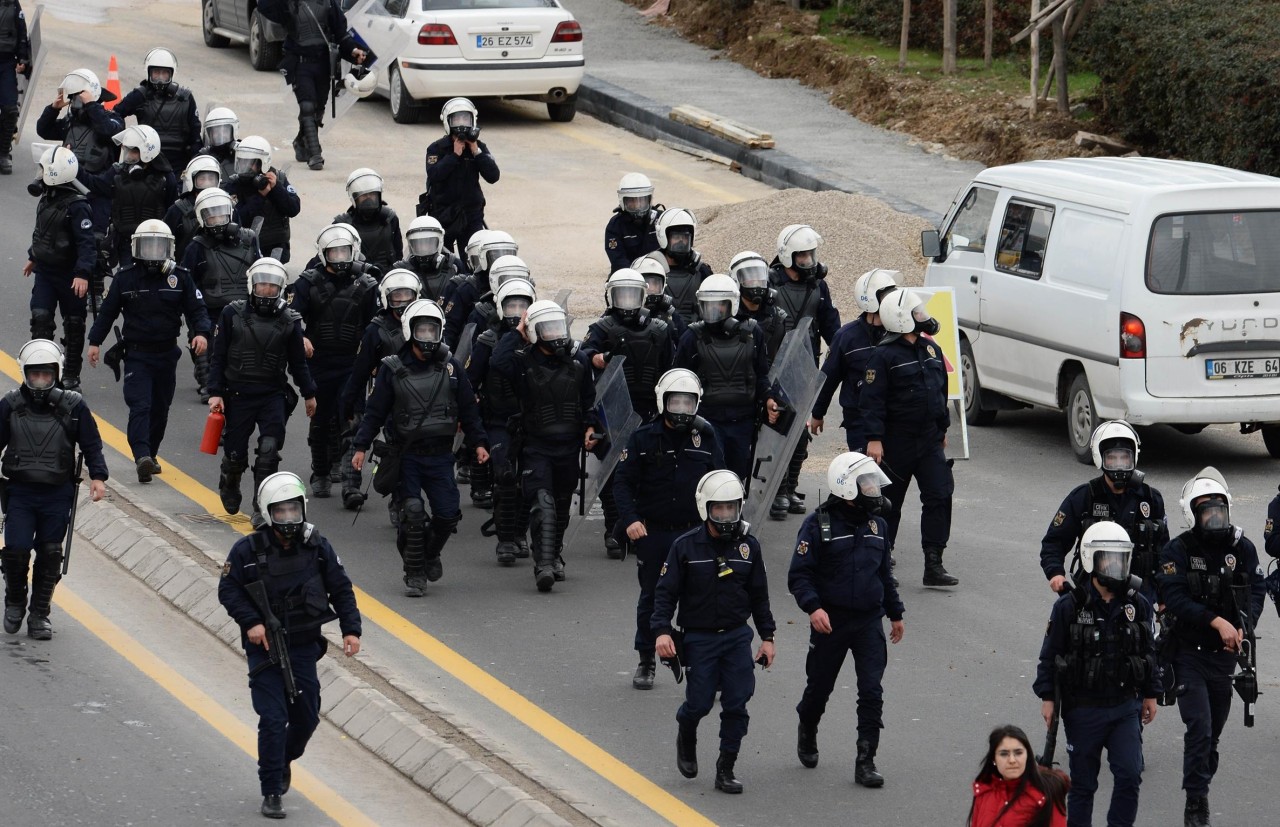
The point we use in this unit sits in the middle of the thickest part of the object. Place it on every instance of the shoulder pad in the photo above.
(239, 305)
(291, 315)
(458, 278)
(68, 401)
(311, 536)
(699, 425)
(15, 398)
(393, 362)
(386, 213)
(342, 218)
(697, 327)
(310, 276)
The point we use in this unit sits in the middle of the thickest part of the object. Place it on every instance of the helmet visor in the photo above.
(246, 164)
(39, 377)
(288, 512)
(654, 284)
(869, 484)
(1117, 458)
(753, 275)
(217, 215)
(681, 403)
(266, 289)
(368, 200)
(724, 512)
(680, 239)
(636, 204)
(514, 306)
(205, 179)
(401, 296)
(495, 253)
(804, 259)
(159, 74)
(152, 248)
(426, 330)
(339, 254)
(552, 329)
(920, 314)
(219, 134)
(1212, 515)
(463, 118)
(1112, 563)
(424, 244)
(627, 297)
(130, 155)
(714, 311)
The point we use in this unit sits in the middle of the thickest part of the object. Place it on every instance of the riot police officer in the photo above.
(62, 256)
(383, 337)
(846, 362)
(201, 174)
(455, 165)
(1098, 661)
(552, 379)
(428, 258)
(1118, 495)
(730, 358)
(166, 106)
(305, 587)
(377, 224)
(470, 289)
(1211, 583)
(840, 576)
(336, 306)
(154, 294)
(263, 191)
(655, 487)
(656, 299)
(630, 232)
(311, 27)
(905, 417)
(254, 341)
(15, 59)
(715, 575)
(686, 270)
(485, 313)
(40, 426)
(427, 394)
(758, 301)
(221, 134)
(87, 128)
(141, 186)
(218, 259)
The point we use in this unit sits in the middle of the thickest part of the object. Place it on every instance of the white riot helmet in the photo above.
(201, 173)
(424, 238)
(83, 80)
(871, 285)
(213, 209)
(140, 137)
(1115, 450)
(398, 289)
(798, 249)
(338, 247)
(624, 293)
(506, 268)
(40, 356)
(161, 67)
(676, 229)
(282, 502)
(717, 299)
(751, 272)
(719, 497)
(361, 82)
(267, 271)
(221, 127)
(900, 309)
(423, 324)
(1210, 518)
(654, 273)
(635, 195)
(460, 118)
(857, 478)
(152, 246)
(58, 166)
(496, 245)
(513, 298)
(364, 189)
(547, 323)
(679, 393)
(1106, 552)
(253, 148)
(475, 261)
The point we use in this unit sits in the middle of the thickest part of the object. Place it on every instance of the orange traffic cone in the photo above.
(113, 83)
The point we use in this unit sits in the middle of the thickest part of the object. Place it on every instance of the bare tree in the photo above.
(948, 37)
(989, 33)
(906, 34)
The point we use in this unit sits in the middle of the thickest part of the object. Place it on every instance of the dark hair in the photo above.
(1053, 783)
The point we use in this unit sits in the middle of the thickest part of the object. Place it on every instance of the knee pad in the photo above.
(42, 324)
(306, 109)
(445, 525)
(413, 511)
(14, 561)
(48, 559)
(268, 452)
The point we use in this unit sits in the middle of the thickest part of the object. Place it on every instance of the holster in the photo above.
(115, 354)
(390, 464)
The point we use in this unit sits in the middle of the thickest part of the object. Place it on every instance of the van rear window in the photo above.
(1215, 253)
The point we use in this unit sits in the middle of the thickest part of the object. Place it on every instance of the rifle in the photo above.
(1246, 680)
(277, 638)
(1051, 737)
(71, 518)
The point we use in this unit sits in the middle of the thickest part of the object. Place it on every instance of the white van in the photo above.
(1117, 288)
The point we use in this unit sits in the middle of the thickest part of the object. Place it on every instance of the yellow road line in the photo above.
(199, 702)
(487, 686)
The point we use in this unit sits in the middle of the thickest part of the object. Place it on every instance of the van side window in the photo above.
(1214, 253)
(1024, 235)
(968, 231)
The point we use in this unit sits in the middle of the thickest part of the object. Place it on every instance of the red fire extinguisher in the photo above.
(212, 432)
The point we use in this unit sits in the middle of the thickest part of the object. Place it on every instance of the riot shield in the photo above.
(463, 355)
(28, 80)
(618, 421)
(794, 382)
(383, 37)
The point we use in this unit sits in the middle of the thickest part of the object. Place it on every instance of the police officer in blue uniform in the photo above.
(656, 299)
(306, 587)
(15, 59)
(62, 256)
(1118, 495)
(141, 186)
(1211, 582)
(466, 291)
(758, 301)
(311, 26)
(905, 417)
(262, 191)
(630, 233)
(40, 426)
(255, 340)
(155, 295)
(201, 173)
(455, 165)
(166, 106)
(428, 259)
(840, 576)
(715, 575)
(87, 129)
(676, 229)
(383, 337)
(1098, 660)
(846, 362)
(221, 133)
(426, 394)
(655, 486)
(377, 224)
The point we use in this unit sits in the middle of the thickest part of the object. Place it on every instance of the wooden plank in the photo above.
(699, 152)
(1042, 18)
(1092, 140)
(723, 127)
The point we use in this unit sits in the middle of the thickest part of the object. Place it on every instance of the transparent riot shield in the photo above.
(463, 355)
(28, 81)
(618, 421)
(794, 382)
(383, 37)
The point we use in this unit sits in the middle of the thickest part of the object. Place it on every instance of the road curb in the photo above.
(416, 751)
(650, 119)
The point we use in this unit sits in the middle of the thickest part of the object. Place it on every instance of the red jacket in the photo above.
(990, 797)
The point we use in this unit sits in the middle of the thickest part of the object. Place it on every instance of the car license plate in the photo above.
(1266, 367)
(503, 41)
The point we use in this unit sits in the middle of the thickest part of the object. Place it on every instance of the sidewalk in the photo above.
(637, 71)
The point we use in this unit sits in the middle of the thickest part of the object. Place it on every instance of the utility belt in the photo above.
(655, 525)
(710, 631)
(151, 347)
(431, 447)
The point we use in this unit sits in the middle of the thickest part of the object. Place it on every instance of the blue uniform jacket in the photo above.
(103, 183)
(1127, 509)
(277, 11)
(845, 367)
(687, 357)
(133, 101)
(707, 601)
(364, 370)
(300, 301)
(85, 435)
(508, 361)
(251, 203)
(457, 310)
(153, 307)
(80, 214)
(851, 573)
(1194, 617)
(382, 400)
(658, 474)
(904, 391)
(455, 179)
(22, 48)
(103, 121)
(221, 348)
(625, 240)
(193, 260)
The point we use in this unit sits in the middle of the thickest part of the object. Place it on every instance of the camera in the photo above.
(466, 133)
(258, 179)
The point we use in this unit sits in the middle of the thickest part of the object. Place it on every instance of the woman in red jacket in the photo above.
(1012, 790)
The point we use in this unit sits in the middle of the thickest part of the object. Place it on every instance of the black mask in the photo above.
(341, 268)
(875, 506)
(755, 295)
(426, 264)
(77, 105)
(679, 422)
(36, 188)
(929, 326)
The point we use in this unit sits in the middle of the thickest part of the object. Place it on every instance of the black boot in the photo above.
(352, 497)
(797, 503)
(309, 130)
(46, 573)
(14, 564)
(778, 508)
(441, 529)
(934, 573)
(687, 751)
(612, 548)
(318, 442)
(8, 126)
(864, 768)
(482, 493)
(272, 807)
(1196, 813)
(542, 526)
(299, 148)
(413, 540)
(73, 330)
(643, 678)
(807, 744)
(725, 782)
(229, 484)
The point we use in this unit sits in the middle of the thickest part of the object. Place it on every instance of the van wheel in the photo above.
(1082, 418)
(1271, 438)
(563, 112)
(404, 109)
(212, 40)
(264, 55)
(973, 412)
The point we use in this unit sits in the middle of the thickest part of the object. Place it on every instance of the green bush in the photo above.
(1193, 79)
(882, 19)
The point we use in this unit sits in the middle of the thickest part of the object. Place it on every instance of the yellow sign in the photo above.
(941, 304)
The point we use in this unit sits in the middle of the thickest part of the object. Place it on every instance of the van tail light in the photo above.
(1133, 337)
(567, 32)
(436, 34)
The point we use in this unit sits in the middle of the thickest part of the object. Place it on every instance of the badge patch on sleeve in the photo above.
(1145, 508)
(623, 456)
(226, 568)
(1267, 530)
(1169, 568)
(431, 159)
(1058, 518)
(870, 377)
(803, 548)
(697, 440)
(613, 244)
(86, 224)
(1130, 612)
(663, 570)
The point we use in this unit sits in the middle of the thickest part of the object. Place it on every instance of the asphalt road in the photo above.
(969, 655)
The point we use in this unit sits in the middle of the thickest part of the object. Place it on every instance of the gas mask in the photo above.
(924, 322)
(1111, 567)
(368, 204)
(424, 249)
(513, 310)
(287, 518)
(340, 259)
(726, 518)
(680, 244)
(1212, 518)
(627, 301)
(38, 381)
(399, 299)
(1117, 461)
(426, 334)
(870, 498)
(680, 409)
(266, 302)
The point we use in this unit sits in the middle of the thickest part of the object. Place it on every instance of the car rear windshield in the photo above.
(450, 5)
(1214, 253)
